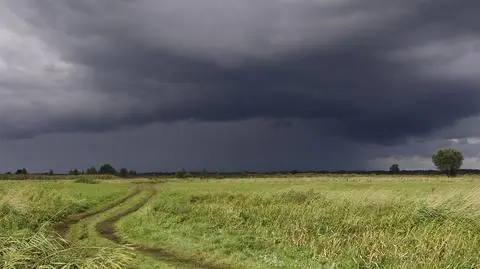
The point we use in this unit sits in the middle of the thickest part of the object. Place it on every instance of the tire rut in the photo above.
(108, 230)
(64, 226)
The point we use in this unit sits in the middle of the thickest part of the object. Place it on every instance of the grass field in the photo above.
(319, 222)
(326, 222)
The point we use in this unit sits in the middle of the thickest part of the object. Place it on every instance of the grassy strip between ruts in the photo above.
(64, 226)
(107, 229)
(85, 232)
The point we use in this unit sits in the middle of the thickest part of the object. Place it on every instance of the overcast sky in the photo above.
(237, 85)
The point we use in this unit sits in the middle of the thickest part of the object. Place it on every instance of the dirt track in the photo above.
(106, 229)
(63, 227)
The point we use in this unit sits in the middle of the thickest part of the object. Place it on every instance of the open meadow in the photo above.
(338, 221)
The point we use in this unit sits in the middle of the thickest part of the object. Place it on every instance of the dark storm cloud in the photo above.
(237, 146)
(330, 62)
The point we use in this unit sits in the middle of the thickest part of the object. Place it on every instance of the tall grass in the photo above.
(28, 208)
(329, 224)
(42, 249)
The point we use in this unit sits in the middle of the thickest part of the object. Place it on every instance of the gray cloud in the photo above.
(364, 71)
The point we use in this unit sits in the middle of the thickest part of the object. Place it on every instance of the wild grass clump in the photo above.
(38, 207)
(42, 249)
(29, 204)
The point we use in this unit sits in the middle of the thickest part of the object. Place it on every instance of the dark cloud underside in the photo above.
(362, 71)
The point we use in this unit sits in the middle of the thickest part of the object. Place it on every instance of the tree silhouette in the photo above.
(394, 168)
(107, 169)
(123, 172)
(22, 171)
(92, 171)
(74, 172)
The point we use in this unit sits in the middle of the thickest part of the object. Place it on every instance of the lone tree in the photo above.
(394, 168)
(448, 161)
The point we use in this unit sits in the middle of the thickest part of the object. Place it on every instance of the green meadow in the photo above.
(341, 221)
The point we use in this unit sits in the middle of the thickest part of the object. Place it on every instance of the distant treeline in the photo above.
(44, 176)
(246, 174)
(301, 173)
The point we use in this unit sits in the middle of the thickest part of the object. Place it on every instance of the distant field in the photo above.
(341, 221)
